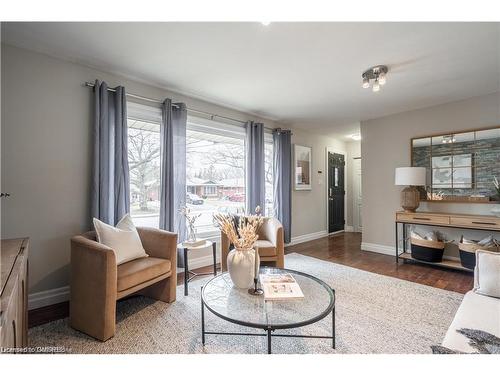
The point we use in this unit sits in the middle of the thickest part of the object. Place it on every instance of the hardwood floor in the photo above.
(345, 248)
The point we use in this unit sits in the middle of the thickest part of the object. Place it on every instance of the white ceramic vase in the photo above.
(241, 267)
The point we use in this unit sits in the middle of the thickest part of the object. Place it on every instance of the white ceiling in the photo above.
(305, 74)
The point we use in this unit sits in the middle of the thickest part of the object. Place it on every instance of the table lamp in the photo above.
(411, 177)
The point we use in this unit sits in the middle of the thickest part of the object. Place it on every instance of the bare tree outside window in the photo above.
(144, 168)
(268, 170)
(215, 174)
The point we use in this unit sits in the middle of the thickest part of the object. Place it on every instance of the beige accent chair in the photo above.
(271, 244)
(97, 282)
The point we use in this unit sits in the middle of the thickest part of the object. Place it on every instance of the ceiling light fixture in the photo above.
(366, 83)
(265, 23)
(356, 136)
(377, 74)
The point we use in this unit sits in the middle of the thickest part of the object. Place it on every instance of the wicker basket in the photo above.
(468, 253)
(427, 250)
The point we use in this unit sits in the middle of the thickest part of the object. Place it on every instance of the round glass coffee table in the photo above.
(237, 306)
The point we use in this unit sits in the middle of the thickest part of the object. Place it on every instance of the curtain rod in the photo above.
(212, 116)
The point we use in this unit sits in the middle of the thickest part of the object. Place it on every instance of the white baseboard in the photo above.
(337, 232)
(48, 297)
(376, 248)
(307, 237)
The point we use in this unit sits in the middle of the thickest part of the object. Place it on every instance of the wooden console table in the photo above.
(464, 221)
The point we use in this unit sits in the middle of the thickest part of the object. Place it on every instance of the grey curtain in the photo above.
(283, 179)
(255, 178)
(110, 193)
(173, 167)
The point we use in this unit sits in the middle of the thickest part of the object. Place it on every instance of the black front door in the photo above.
(336, 192)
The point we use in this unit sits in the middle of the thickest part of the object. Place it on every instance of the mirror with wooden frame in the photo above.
(461, 166)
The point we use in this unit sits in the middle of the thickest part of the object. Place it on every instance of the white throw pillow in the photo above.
(416, 235)
(123, 239)
(487, 242)
(487, 273)
(431, 236)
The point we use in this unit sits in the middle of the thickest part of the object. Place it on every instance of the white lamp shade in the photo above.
(410, 176)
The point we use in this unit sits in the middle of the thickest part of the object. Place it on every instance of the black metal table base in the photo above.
(268, 332)
(190, 275)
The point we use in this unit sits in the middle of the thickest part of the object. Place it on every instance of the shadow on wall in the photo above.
(60, 250)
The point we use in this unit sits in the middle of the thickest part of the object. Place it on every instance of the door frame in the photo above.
(355, 225)
(336, 151)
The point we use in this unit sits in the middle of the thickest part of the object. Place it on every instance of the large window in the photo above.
(268, 167)
(215, 168)
(215, 171)
(144, 163)
(144, 167)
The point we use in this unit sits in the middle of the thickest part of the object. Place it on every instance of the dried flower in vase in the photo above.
(245, 235)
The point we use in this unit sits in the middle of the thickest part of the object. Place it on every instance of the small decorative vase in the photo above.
(241, 267)
(191, 235)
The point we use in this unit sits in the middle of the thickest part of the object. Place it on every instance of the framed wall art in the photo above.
(302, 162)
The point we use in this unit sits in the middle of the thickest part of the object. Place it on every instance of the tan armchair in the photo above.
(271, 244)
(97, 282)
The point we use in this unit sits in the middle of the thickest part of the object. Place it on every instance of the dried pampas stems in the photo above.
(244, 238)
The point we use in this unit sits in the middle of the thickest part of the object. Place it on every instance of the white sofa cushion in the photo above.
(487, 273)
(123, 239)
(475, 312)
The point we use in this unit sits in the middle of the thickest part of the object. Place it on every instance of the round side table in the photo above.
(189, 275)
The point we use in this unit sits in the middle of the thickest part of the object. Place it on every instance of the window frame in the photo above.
(152, 113)
(147, 114)
(217, 128)
(268, 140)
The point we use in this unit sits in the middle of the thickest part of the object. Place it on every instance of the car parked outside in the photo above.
(193, 199)
(237, 197)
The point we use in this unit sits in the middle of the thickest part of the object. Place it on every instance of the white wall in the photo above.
(46, 126)
(386, 145)
(353, 151)
(46, 142)
(309, 207)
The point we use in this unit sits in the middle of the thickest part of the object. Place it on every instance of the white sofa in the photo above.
(476, 312)
(480, 308)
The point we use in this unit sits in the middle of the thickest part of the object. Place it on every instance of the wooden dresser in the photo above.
(14, 293)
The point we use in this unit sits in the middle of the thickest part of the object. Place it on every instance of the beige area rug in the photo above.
(374, 314)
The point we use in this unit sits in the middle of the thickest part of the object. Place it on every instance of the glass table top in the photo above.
(238, 306)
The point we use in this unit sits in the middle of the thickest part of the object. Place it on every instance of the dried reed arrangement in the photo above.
(244, 238)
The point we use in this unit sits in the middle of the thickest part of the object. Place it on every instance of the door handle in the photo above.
(330, 199)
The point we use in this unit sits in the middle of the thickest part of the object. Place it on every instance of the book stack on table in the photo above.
(280, 287)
